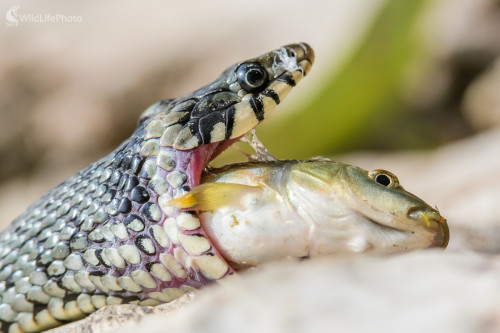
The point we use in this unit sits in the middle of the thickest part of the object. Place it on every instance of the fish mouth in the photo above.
(446, 234)
(432, 217)
(384, 226)
(441, 238)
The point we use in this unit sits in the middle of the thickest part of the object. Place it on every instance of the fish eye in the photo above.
(383, 179)
(251, 77)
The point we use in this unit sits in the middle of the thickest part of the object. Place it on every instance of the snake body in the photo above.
(107, 235)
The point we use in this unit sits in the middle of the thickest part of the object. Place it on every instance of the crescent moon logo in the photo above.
(12, 16)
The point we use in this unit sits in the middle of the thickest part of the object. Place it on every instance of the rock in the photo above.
(111, 318)
(482, 102)
(426, 291)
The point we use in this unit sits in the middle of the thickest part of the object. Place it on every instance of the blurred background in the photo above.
(409, 86)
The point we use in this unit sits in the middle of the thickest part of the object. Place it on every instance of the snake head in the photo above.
(244, 95)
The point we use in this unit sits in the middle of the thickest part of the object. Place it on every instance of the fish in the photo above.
(256, 212)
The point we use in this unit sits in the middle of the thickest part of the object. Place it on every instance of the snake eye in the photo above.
(383, 179)
(251, 77)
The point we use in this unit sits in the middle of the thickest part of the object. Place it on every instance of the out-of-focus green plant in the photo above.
(366, 89)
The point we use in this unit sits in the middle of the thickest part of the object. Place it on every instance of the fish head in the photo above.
(363, 211)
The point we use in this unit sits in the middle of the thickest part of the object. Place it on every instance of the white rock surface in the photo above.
(426, 291)
(112, 318)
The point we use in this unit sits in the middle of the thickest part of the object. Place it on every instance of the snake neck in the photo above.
(107, 236)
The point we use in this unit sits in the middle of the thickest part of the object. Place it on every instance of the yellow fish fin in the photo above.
(208, 197)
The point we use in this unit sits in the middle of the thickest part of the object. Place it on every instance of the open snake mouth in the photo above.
(220, 114)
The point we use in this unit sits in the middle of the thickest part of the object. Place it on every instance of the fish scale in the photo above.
(107, 235)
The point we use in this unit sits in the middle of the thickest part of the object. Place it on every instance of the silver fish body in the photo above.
(311, 208)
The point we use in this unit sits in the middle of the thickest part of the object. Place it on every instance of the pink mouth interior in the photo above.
(199, 158)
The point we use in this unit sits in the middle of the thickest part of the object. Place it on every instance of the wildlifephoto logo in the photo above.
(14, 17)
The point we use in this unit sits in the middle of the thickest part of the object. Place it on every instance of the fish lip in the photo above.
(434, 216)
(384, 226)
(446, 234)
(443, 237)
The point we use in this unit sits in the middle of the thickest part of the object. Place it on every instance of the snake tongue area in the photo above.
(107, 236)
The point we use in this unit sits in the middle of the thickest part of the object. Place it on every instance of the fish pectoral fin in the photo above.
(209, 197)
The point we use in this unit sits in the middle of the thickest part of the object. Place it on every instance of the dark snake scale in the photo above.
(107, 235)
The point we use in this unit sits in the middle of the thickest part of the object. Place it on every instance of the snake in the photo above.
(108, 236)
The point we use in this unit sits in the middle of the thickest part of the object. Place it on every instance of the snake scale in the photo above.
(107, 235)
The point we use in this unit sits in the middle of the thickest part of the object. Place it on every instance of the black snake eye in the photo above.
(383, 180)
(251, 77)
